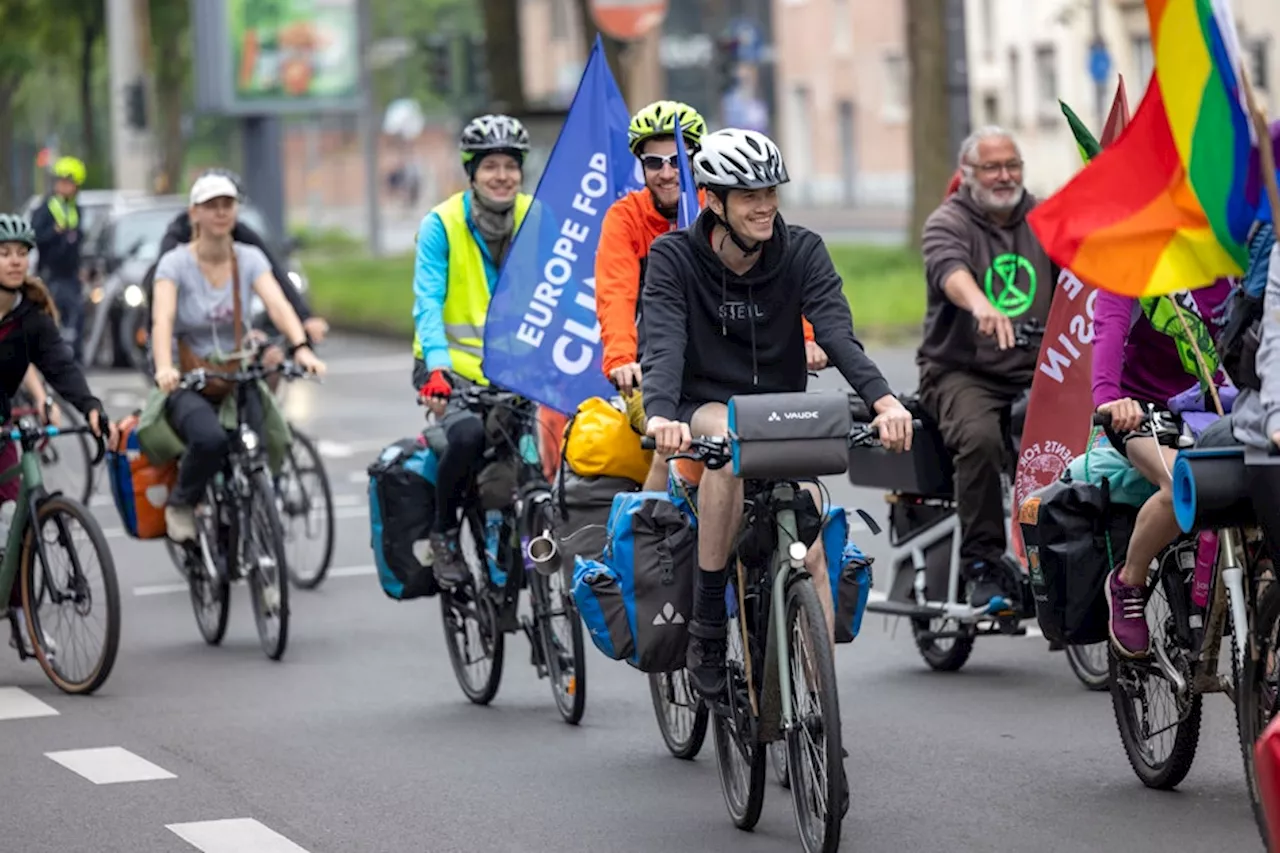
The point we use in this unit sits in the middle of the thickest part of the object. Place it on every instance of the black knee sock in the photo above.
(708, 601)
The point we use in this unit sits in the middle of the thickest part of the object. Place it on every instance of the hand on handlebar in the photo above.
(435, 392)
(1126, 414)
(168, 378)
(815, 356)
(992, 323)
(308, 361)
(669, 436)
(626, 378)
(894, 424)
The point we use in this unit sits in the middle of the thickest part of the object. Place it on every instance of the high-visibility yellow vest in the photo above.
(466, 301)
(66, 216)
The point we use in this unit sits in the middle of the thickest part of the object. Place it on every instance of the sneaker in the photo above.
(180, 523)
(985, 585)
(1130, 635)
(704, 659)
(449, 567)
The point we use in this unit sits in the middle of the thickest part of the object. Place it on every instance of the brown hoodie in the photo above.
(1010, 267)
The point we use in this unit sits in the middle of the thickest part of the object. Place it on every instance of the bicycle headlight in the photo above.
(249, 439)
(298, 281)
(133, 296)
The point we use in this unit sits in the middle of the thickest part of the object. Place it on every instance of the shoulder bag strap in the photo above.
(236, 309)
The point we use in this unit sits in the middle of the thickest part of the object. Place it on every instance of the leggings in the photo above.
(197, 423)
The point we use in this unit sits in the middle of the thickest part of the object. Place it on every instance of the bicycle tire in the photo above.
(1166, 774)
(571, 697)
(305, 579)
(84, 452)
(805, 616)
(266, 531)
(732, 744)
(662, 690)
(1086, 669)
(486, 619)
(938, 659)
(101, 669)
(1252, 711)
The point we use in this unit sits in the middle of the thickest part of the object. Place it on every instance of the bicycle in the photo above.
(66, 590)
(769, 695)
(69, 466)
(1183, 662)
(238, 531)
(512, 549)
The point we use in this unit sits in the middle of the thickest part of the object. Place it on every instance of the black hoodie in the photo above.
(712, 334)
(29, 336)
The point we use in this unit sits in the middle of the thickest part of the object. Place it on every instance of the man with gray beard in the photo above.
(985, 271)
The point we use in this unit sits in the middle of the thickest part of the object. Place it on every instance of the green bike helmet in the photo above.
(660, 119)
(14, 228)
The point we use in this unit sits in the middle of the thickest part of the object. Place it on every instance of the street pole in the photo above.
(958, 112)
(131, 148)
(1099, 83)
(369, 130)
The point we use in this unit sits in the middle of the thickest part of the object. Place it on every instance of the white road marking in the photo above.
(160, 589)
(175, 588)
(18, 704)
(353, 571)
(368, 364)
(235, 835)
(109, 764)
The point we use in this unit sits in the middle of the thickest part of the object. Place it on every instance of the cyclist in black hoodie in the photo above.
(722, 302)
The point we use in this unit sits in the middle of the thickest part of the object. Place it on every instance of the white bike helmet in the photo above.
(734, 159)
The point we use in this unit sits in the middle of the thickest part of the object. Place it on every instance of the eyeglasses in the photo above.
(654, 163)
(1013, 167)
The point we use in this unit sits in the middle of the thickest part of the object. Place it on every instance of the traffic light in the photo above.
(727, 62)
(135, 105)
(476, 67)
(439, 57)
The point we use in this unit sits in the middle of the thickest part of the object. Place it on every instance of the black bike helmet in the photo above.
(14, 228)
(492, 134)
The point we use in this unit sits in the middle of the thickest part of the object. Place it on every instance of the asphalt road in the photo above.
(360, 740)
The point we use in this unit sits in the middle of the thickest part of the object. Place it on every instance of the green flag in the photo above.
(1085, 142)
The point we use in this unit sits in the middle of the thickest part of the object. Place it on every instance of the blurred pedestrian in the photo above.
(59, 239)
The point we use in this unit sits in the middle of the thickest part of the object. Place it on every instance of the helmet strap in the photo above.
(9, 289)
(669, 213)
(723, 222)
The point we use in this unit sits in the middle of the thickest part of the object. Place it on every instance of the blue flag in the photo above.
(689, 207)
(542, 337)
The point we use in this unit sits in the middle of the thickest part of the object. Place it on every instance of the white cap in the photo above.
(210, 187)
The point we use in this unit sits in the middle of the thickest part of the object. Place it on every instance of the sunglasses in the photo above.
(654, 163)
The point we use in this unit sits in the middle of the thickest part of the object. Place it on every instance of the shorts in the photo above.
(686, 408)
(1167, 423)
(1220, 433)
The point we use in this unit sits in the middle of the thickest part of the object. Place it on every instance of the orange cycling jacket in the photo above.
(630, 226)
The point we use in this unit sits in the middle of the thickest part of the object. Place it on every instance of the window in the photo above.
(990, 109)
(1046, 66)
(894, 106)
(1141, 46)
(1015, 88)
(1259, 54)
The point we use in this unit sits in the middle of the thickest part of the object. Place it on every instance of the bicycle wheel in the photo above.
(740, 757)
(267, 569)
(560, 630)
(814, 752)
(476, 644)
(306, 510)
(943, 654)
(1255, 691)
(682, 719)
(1159, 728)
(778, 761)
(61, 588)
(1089, 663)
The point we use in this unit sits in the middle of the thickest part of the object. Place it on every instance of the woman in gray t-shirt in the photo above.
(192, 311)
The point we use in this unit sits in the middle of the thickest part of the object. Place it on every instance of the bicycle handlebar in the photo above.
(715, 452)
(31, 434)
(197, 379)
(1024, 332)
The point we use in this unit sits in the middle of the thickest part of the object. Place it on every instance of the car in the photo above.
(126, 244)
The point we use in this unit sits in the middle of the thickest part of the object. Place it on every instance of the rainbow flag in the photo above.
(1169, 206)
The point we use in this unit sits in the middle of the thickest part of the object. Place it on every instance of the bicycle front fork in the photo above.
(1233, 578)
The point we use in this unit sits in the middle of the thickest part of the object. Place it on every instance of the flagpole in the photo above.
(1264, 145)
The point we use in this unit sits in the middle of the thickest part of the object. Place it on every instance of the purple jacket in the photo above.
(1141, 362)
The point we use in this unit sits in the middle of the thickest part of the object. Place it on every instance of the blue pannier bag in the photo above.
(637, 600)
(850, 573)
(401, 510)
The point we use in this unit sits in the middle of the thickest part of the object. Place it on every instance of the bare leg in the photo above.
(656, 480)
(719, 495)
(1156, 525)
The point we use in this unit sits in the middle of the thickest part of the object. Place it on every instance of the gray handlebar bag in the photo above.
(789, 436)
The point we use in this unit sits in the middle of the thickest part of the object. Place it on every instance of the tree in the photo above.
(502, 49)
(932, 161)
(614, 50)
(170, 34)
(23, 24)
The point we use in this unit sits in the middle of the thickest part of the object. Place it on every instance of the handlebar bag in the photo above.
(637, 601)
(789, 436)
(402, 496)
(849, 571)
(139, 487)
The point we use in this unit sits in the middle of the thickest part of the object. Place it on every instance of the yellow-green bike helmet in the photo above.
(70, 168)
(660, 118)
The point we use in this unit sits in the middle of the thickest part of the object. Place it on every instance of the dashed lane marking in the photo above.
(235, 835)
(109, 765)
(18, 704)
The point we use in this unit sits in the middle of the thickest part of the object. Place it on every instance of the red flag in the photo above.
(1055, 431)
(1266, 759)
(953, 186)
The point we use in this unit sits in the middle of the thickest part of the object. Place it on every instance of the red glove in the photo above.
(437, 386)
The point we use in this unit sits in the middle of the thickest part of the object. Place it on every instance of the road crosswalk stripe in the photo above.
(109, 765)
(234, 835)
(18, 704)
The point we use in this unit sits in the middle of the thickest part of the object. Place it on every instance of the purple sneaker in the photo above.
(1128, 625)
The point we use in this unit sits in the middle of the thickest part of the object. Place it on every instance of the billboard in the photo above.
(267, 57)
